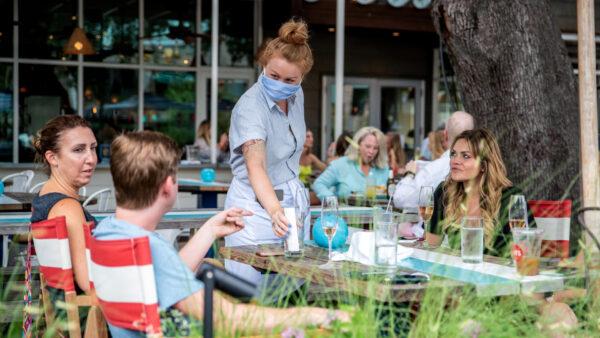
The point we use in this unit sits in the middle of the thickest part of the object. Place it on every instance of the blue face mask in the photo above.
(277, 90)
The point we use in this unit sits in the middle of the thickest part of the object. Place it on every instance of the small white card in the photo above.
(292, 238)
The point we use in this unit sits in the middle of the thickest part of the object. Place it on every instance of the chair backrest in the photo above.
(52, 249)
(87, 232)
(102, 197)
(555, 218)
(124, 283)
(36, 188)
(20, 181)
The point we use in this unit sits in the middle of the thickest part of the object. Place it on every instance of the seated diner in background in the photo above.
(366, 157)
(476, 187)
(309, 161)
(203, 144)
(396, 154)
(338, 148)
(144, 169)
(407, 190)
(66, 146)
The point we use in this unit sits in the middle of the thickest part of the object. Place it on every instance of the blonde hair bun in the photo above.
(294, 32)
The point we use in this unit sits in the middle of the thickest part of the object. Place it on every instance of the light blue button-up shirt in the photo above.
(344, 176)
(257, 117)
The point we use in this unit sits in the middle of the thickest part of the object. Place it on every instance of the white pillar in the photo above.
(214, 81)
(339, 66)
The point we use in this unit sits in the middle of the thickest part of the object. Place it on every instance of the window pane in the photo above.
(45, 27)
(110, 102)
(45, 92)
(6, 112)
(6, 28)
(169, 104)
(230, 90)
(236, 25)
(113, 27)
(170, 28)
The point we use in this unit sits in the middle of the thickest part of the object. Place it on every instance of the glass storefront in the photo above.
(105, 87)
(169, 104)
(44, 92)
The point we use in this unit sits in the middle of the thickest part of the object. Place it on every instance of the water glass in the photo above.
(386, 239)
(517, 212)
(471, 240)
(294, 243)
(527, 245)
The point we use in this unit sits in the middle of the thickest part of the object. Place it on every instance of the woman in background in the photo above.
(309, 161)
(367, 158)
(396, 154)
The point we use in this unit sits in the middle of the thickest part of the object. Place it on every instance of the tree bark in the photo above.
(515, 78)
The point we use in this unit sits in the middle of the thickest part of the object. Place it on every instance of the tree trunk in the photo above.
(516, 79)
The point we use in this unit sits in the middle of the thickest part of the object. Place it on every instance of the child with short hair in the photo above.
(144, 169)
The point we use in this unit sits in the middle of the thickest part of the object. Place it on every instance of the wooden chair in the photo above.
(125, 285)
(52, 249)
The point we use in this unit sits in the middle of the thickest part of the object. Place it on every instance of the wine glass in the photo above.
(517, 212)
(425, 208)
(329, 219)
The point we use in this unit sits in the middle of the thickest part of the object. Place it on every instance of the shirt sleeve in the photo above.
(246, 124)
(327, 180)
(174, 280)
(407, 191)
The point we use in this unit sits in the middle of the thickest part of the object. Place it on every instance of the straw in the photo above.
(389, 203)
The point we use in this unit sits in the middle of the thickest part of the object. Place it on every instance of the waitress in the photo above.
(267, 135)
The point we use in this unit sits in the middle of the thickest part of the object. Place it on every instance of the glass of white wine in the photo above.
(425, 209)
(329, 219)
(517, 212)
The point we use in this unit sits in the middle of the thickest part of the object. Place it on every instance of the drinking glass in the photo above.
(471, 240)
(517, 212)
(386, 239)
(302, 205)
(527, 245)
(329, 219)
(371, 188)
(425, 209)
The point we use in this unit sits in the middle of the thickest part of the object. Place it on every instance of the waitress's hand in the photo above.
(280, 223)
(228, 222)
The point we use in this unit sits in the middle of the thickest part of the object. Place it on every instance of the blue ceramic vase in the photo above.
(339, 239)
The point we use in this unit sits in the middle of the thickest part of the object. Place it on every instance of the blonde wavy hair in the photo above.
(491, 181)
(381, 160)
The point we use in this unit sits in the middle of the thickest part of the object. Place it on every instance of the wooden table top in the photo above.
(307, 268)
(197, 186)
(494, 277)
(22, 201)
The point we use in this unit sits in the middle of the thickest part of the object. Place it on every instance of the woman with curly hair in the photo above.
(476, 186)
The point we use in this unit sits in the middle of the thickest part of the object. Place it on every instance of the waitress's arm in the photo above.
(255, 157)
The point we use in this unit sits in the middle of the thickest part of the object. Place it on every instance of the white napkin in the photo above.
(362, 249)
